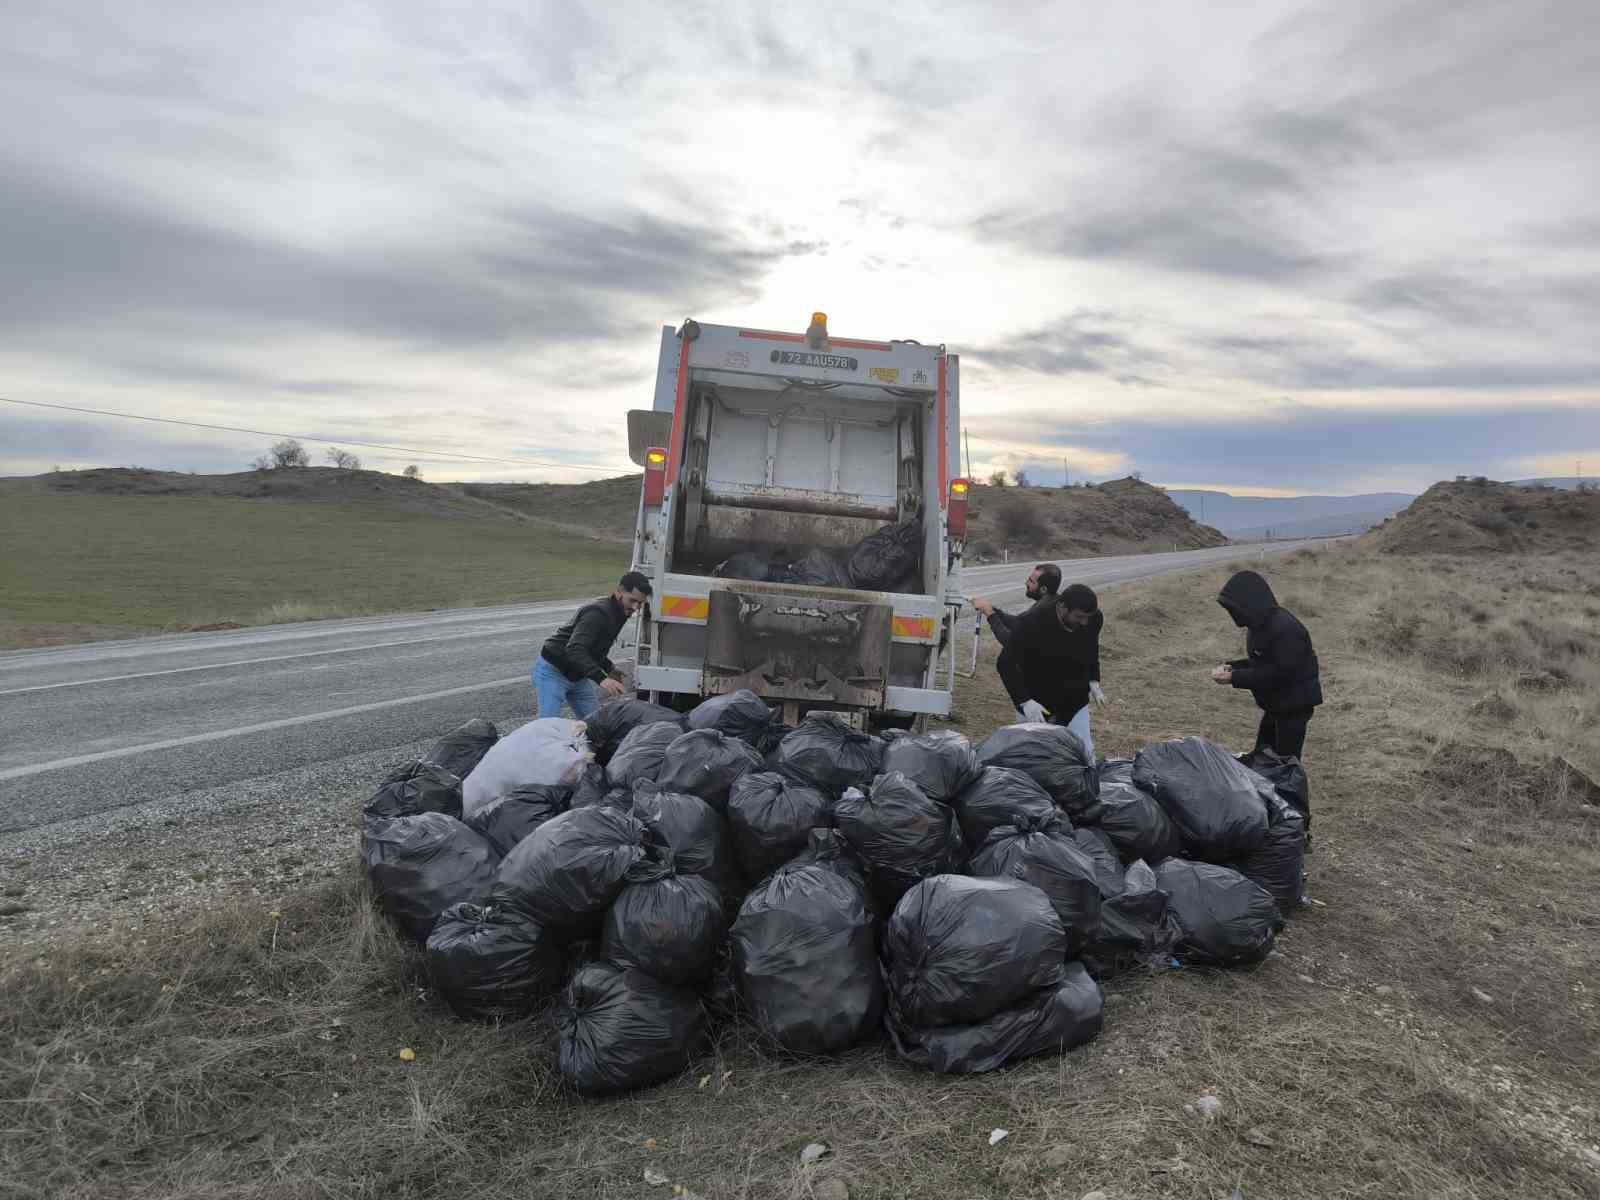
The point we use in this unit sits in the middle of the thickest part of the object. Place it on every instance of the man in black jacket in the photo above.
(1044, 581)
(1280, 669)
(1057, 650)
(573, 667)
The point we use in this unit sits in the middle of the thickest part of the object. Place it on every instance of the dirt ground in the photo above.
(1428, 1028)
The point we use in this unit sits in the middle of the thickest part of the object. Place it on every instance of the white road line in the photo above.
(250, 662)
(264, 726)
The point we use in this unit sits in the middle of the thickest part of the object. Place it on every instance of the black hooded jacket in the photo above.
(1056, 663)
(579, 648)
(1281, 669)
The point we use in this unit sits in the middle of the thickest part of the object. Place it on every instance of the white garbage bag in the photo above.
(552, 752)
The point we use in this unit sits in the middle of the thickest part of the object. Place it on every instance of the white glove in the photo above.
(1032, 712)
(1096, 692)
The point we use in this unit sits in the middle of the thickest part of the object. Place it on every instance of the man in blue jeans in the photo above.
(573, 667)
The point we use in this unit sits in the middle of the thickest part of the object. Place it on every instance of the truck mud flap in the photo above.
(793, 646)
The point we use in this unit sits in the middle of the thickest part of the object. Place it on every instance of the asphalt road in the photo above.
(93, 728)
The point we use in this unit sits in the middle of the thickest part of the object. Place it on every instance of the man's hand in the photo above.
(1032, 712)
(611, 688)
(1096, 692)
(1222, 674)
(983, 606)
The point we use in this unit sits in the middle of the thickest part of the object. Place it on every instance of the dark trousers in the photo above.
(1284, 733)
(1011, 677)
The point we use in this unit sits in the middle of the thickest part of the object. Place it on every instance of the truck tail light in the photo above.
(956, 510)
(655, 476)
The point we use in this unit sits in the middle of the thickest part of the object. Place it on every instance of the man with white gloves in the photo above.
(1057, 650)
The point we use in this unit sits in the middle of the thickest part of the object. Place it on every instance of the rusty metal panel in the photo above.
(793, 644)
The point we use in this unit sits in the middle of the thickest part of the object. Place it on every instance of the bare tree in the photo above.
(344, 460)
(287, 453)
(411, 472)
(999, 479)
(1023, 480)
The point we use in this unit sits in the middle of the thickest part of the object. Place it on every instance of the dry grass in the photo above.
(258, 1056)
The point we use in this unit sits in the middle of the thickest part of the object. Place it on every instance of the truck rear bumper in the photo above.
(896, 699)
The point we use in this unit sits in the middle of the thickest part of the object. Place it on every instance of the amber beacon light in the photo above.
(655, 475)
(956, 511)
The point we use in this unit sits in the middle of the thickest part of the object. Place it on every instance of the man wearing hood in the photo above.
(1056, 647)
(1044, 581)
(1280, 669)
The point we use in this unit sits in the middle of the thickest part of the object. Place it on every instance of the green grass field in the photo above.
(79, 567)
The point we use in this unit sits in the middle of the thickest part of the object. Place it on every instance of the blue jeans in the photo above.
(553, 689)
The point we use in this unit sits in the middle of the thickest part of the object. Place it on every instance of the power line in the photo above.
(515, 462)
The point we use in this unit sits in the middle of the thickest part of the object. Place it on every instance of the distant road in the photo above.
(95, 727)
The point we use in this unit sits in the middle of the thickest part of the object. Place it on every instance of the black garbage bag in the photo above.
(690, 827)
(641, 754)
(746, 564)
(1131, 817)
(706, 763)
(743, 715)
(772, 817)
(943, 764)
(805, 952)
(957, 949)
(591, 787)
(826, 753)
(1051, 1020)
(416, 787)
(666, 924)
(1037, 852)
(1053, 757)
(422, 864)
(1137, 925)
(1286, 774)
(1102, 852)
(493, 963)
(506, 821)
(886, 558)
(901, 834)
(1002, 796)
(619, 1029)
(820, 568)
(566, 873)
(616, 719)
(1225, 918)
(1279, 863)
(1210, 796)
(463, 747)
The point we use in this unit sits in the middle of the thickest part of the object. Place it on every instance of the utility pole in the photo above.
(968, 436)
(1066, 475)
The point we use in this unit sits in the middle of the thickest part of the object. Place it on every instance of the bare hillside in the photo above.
(1120, 516)
(1484, 517)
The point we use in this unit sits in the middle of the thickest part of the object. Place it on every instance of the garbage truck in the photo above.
(801, 518)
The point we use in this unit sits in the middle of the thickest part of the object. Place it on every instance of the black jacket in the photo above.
(1003, 623)
(579, 648)
(1057, 663)
(1281, 669)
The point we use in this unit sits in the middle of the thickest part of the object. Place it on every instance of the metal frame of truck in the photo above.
(760, 437)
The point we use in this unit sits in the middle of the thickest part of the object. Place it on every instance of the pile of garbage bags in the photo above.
(886, 560)
(650, 870)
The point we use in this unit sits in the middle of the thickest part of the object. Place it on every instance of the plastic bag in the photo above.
(640, 755)
(772, 817)
(957, 949)
(491, 963)
(746, 564)
(591, 787)
(743, 715)
(1053, 757)
(420, 865)
(463, 748)
(668, 925)
(568, 871)
(886, 559)
(1210, 796)
(1001, 796)
(805, 952)
(1137, 925)
(706, 763)
(1131, 817)
(618, 1029)
(1225, 918)
(943, 764)
(1286, 774)
(820, 568)
(826, 753)
(691, 828)
(1102, 852)
(1052, 1020)
(616, 719)
(416, 787)
(901, 834)
(549, 751)
(506, 821)
(1037, 852)
(1278, 864)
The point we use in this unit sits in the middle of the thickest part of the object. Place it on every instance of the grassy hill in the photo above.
(1484, 517)
(1123, 516)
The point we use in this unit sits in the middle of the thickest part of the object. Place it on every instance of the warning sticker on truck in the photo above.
(885, 374)
(804, 358)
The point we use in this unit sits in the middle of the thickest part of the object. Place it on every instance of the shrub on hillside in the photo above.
(1021, 523)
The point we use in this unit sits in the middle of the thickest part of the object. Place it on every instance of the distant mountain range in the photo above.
(1245, 517)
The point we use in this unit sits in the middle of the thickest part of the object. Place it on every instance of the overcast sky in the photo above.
(1263, 247)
